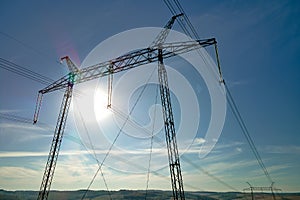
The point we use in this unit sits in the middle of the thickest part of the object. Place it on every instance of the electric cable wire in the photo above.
(93, 149)
(44, 54)
(192, 34)
(24, 120)
(173, 12)
(41, 81)
(151, 145)
(15, 118)
(42, 125)
(38, 78)
(192, 28)
(136, 165)
(28, 121)
(191, 31)
(160, 141)
(195, 36)
(22, 71)
(132, 122)
(155, 138)
(185, 29)
(229, 97)
(27, 73)
(119, 133)
(245, 132)
(201, 169)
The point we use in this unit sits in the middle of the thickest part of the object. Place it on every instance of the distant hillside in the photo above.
(139, 195)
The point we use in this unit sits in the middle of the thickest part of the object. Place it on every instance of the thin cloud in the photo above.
(17, 172)
(237, 83)
(13, 154)
(282, 149)
(10, 111)
(22, 126)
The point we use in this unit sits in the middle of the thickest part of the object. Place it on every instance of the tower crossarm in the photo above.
(127, 61)
(57, 85)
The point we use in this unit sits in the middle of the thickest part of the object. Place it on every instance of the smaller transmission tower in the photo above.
(271, 188)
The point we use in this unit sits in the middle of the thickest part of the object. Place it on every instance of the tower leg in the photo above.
(174, 164)
(55, 146)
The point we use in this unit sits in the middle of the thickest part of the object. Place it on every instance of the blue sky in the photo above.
(258, 44)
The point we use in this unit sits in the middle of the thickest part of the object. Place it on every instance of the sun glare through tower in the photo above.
(100, 105)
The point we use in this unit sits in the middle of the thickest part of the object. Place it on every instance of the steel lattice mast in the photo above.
(55, 146)
(156, 52)
(58, 133)
(174, 163)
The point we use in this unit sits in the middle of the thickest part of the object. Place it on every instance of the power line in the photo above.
(245, 132)
(94, 152)
(192, 28)
(78, 141)
(174, 12)
(176, 6)
(151, 145)
(208, 173)
(190, 31)
(27, 46)
(119, 133)
(229, 97)
(41, 79)
(21, 119)
(27, 73)
(15, 118)
(24, 120)
(22, 71)
(160, 141)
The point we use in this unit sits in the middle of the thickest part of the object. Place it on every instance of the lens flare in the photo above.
(100, 105)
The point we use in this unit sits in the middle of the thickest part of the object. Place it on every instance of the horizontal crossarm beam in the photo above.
(127, 61)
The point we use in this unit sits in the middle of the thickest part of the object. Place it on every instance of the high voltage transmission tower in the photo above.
(156, 52)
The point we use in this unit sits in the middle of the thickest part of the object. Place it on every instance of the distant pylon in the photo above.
(271, 188)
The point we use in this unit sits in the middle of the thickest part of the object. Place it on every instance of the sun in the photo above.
(100, 105)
